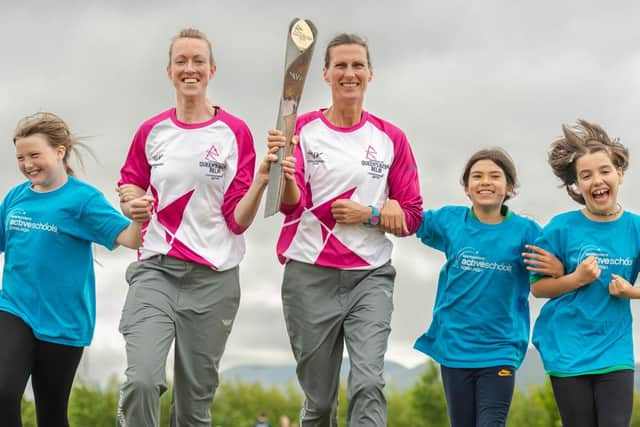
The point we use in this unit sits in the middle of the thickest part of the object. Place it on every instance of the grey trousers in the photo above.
(325, 308)
(173, 300)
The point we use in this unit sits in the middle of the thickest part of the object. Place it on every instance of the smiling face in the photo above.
(41, 163)
(190, 68)
(348, 73)
(598, 180)
(487, 185)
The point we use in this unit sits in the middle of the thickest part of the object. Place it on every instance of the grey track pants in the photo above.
(325, 308)
(170, 299)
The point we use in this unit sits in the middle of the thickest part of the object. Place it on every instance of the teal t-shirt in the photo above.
(481, 312)
(48, 278)
(587, 329)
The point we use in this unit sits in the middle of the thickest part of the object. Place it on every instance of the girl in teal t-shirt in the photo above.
(480, 328)
(584, 330)
(47, 300)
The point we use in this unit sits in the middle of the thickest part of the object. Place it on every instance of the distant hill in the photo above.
(397, 376)
(281, 375)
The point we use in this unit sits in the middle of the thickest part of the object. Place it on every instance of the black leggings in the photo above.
(478, 397)
(51, 366)
(602, 400)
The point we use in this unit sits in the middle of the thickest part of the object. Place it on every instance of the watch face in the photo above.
(375, 220)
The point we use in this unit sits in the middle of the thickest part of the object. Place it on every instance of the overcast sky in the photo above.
(456, 76)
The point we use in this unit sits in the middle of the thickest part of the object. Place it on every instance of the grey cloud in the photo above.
(454, 76)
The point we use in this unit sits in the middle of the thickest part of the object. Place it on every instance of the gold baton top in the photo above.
(301, 35)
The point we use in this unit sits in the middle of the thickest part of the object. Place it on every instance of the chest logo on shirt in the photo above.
(376, 167)
(155, 159)
(603, 257)
(19, 220)
(214, 168)
(470, 259)
(212, 153)
(314, 157)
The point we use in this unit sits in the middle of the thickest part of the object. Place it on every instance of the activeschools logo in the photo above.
(603, 257)
(18, 220)
(470, 259)
(376, 167)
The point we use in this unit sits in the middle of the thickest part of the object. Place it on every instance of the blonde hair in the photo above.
(54, 129)
(580, 139)
(192, 33)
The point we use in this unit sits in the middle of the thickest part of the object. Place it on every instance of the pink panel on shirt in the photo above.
(154, 193)
(180, 251)
(323, 211)
(287, 234)
(404, 185)
(325, 232)
(337, 255)
(136, 169)
(305, 192)
(171, 216)
(245, 167)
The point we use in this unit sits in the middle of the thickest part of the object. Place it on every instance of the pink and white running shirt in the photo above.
(197, 174)
(368, 163)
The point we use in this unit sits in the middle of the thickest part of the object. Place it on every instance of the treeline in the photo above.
(237, 404)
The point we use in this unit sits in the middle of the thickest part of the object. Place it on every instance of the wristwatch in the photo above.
(374, 218)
